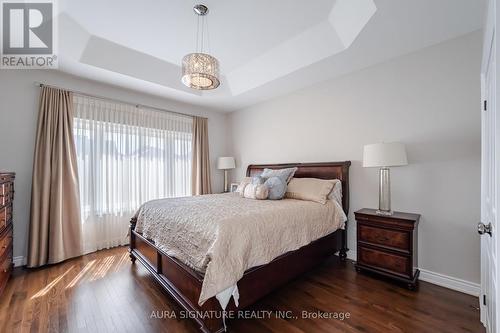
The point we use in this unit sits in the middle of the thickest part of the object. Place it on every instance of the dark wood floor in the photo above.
(104, 292)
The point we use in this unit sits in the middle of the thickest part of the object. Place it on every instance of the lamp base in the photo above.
(226, 183)
(384, 212)
(384, 192)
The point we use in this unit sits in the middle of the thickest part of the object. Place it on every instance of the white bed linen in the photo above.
(223, 235)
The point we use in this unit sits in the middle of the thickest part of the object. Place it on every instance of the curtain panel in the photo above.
(54, 233)
(126, 156)
(201, 158)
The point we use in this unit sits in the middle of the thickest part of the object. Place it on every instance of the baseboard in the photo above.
(351, 255)
(19, 261)
(450, 282)
(442, 280)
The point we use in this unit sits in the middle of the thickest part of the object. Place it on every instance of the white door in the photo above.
(489, 155)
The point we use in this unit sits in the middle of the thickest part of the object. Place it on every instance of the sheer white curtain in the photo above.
(126, 156)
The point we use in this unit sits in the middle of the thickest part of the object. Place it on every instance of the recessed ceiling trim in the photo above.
(346, 21)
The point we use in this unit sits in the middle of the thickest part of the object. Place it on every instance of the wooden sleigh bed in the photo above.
(184, 284)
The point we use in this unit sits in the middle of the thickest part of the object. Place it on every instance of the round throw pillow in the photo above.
(277, 188)
(258, 180)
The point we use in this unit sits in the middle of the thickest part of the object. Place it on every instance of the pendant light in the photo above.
(200, 70)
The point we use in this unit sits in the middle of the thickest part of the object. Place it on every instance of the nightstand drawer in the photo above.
(393, 239)
(381, 260)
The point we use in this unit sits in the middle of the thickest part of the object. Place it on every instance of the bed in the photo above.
(184, 281)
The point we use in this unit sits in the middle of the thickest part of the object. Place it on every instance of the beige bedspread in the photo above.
(223, 235)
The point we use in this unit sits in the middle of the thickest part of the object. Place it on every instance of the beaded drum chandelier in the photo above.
(200, 70)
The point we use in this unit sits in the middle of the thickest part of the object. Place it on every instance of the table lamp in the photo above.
(383, 156)
(225, 163)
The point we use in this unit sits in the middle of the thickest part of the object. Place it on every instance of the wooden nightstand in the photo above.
(387, 245)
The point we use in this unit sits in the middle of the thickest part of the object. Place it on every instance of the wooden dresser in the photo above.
(387, 245)
(6, 236)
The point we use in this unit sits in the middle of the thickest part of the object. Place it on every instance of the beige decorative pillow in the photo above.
(244, 182)
(336, 193)
(311, 189)
(256, 191)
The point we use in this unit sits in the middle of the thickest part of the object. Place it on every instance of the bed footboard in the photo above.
(183, 284)
(176, 279)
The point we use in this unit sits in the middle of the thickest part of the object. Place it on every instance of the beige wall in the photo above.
(18, 116)
(429, 100)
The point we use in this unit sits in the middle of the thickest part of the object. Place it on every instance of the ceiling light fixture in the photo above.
(200, 70)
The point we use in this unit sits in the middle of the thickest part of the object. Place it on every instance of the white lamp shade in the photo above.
(225, 163)
(384, 155)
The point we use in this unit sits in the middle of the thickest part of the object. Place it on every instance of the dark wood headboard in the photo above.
(323, 170)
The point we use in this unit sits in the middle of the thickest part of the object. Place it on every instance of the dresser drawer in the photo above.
(6, 193)
(5, 216)
(6, 200)
(385, 261)
(393, 239)
(5, 270)
(6, 263)
(6, 177)
(5, 242)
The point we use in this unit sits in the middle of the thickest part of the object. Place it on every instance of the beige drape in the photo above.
(55, 230)
(201, 160)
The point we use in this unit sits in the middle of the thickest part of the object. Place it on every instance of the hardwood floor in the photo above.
(95, 293)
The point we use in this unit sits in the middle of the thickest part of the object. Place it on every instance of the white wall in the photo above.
(429, 100)
(18, 116)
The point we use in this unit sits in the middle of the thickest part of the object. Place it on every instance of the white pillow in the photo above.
(256, 191)
(311, 189)
(243, 183)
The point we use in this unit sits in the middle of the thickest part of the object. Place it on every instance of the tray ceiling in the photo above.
(265, 47)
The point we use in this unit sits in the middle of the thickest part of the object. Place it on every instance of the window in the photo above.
(126, 156)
